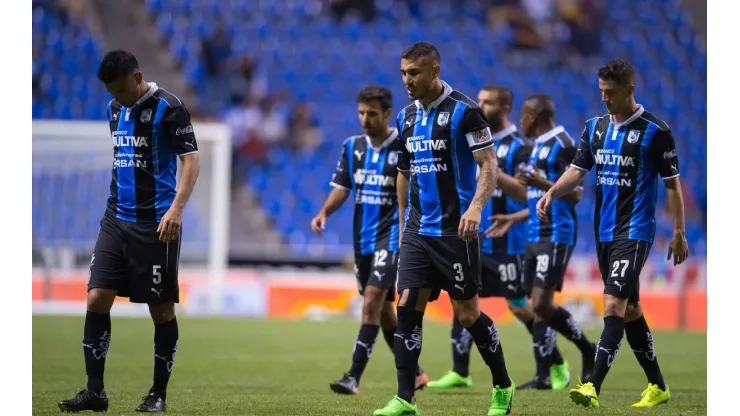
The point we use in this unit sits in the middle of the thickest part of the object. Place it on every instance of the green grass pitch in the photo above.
(262, 367)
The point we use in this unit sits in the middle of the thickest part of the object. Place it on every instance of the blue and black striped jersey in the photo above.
(628, 157)
(147, 140)
(512, 152)
(551, 155)
(371, 172)
(439, 142)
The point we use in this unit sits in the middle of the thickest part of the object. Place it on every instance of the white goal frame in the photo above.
(64, 133)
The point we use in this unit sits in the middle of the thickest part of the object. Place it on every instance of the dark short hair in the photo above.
(618, 70)
(376, 93)
(505, 95)
(117, 64)
(542, 105)
(421, 50)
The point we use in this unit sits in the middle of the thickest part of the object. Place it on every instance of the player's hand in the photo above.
(679, 248)
(543, 205)
(318, 223)
(170, 225)
(469, 224)
(524, 177)
(502, 223)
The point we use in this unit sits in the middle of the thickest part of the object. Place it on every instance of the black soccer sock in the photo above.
(406, 349)
(363, 349)
(543, 341)
(389, 335)
(461, 342)
(486, 338)
(641, 340)
(165, 348)
(95, 346)
(557, 358)
(607, 349)
(563, 322)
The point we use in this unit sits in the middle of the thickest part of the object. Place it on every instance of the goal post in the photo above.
(72, 163)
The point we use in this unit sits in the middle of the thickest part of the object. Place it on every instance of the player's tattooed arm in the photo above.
(488, 173)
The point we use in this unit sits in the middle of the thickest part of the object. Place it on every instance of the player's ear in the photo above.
(387, 113)
(138, 77)
(436, 69)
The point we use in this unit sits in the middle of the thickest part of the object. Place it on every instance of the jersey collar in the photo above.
(148, 94)
(632, 118)
(550, 134)
(446, 91)
(505, 132)
(391, 137)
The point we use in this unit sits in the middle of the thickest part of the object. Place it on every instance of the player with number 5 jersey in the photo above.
(368, 167)
(137, 251)
(630, 148)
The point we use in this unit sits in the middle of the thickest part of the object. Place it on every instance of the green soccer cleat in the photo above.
(585, 395)
(560, 376)
(653, 396)
(398, 407)
(451, 380)
(501, 400)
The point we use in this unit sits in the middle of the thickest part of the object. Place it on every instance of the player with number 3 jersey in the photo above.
(368, 166)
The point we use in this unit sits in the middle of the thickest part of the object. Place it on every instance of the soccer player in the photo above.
(445, 136)
(502, 271)
(368, 166)
(550, 240)
(629, 147)
(138, 247)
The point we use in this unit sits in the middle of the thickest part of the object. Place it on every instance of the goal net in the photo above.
(72, 163)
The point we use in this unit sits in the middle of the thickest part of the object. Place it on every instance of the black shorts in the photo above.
(377, 270)
(620, 264)
(545, 264)
(502, 277)
(440, 263)
(129, 258)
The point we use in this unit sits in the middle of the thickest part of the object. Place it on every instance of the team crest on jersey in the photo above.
(544, 152)
(633, 136)
(502, 150)
(146, 116)
(392, 158)
(443, 119)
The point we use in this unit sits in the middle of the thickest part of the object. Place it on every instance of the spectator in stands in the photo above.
(217, 53)
(511, 15)
(583, 19)
(304, 133)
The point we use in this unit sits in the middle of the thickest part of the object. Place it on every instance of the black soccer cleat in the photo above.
(588, 364)
(536, 384)
(152, 403)
(85, 400)
(347, 385)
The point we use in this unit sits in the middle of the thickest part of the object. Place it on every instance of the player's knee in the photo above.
(162, 313)
(100, 300)
(371, 309)
(543, 306)
(614, 306)
(633, 312)
(466, 312)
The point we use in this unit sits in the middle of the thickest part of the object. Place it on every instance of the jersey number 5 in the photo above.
(157, 279)
(459, 274)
